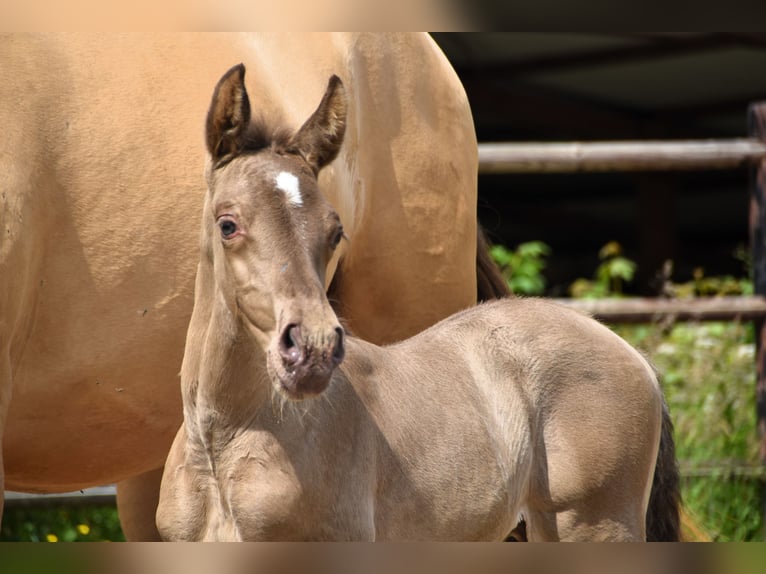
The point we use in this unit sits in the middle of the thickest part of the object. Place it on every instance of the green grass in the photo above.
(708, 374)
(60, 524)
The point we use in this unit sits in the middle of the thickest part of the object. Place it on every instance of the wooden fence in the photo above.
(619, 156)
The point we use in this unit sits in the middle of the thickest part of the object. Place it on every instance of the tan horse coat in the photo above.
(101, 168)
(514, 406)
(518, 406)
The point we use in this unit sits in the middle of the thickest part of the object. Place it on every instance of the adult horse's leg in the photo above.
(137, 499)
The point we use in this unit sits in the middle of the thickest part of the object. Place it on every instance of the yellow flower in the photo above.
(52, 538)
(83, 529)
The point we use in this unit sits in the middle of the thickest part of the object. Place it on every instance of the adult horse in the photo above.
(101, 186)
(293, 431)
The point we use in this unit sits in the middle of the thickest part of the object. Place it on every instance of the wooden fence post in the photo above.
(756, 120)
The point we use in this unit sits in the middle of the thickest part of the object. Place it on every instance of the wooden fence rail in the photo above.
(648, 310)
(619, 156)
(96, 496)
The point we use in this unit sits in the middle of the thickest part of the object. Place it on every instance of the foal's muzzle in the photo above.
(307, 362)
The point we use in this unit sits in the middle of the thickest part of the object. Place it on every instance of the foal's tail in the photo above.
(490, 282)
(663, 523)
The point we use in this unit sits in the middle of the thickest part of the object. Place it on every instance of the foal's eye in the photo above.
(228, 228)
(336, 238)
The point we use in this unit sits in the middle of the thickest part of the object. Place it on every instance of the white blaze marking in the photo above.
(288, 183)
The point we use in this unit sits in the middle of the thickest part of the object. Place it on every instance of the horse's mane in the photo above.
(262, 135)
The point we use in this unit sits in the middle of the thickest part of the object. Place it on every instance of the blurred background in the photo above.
(583, 87)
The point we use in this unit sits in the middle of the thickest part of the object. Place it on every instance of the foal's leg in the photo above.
(586, 524)
(589, 523)
(137, 500)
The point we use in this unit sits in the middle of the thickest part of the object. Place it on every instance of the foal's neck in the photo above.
(224, 371)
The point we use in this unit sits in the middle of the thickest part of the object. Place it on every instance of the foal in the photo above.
(293, 431)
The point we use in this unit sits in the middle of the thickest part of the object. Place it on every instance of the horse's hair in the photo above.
(663, 523)
(490, 283)
(261, 135)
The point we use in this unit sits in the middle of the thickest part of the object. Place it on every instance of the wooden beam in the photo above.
(648, 310)
(95, 496)
(619, 156)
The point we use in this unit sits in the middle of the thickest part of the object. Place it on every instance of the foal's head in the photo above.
(271, 233)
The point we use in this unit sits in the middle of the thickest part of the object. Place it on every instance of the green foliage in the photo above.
(708, 374)
(522, 267)
(726, 285)
(31, 524)
(613, 271)
(702, 286)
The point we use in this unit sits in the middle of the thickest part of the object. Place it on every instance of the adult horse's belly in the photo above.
(95, 382)
(102, 160)
(106, 161)
(100, 400)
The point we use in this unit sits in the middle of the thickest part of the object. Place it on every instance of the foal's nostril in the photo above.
(290, 344)
(339, 351)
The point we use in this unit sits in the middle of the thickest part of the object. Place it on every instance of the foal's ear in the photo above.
(228, 116)
(320, 138)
